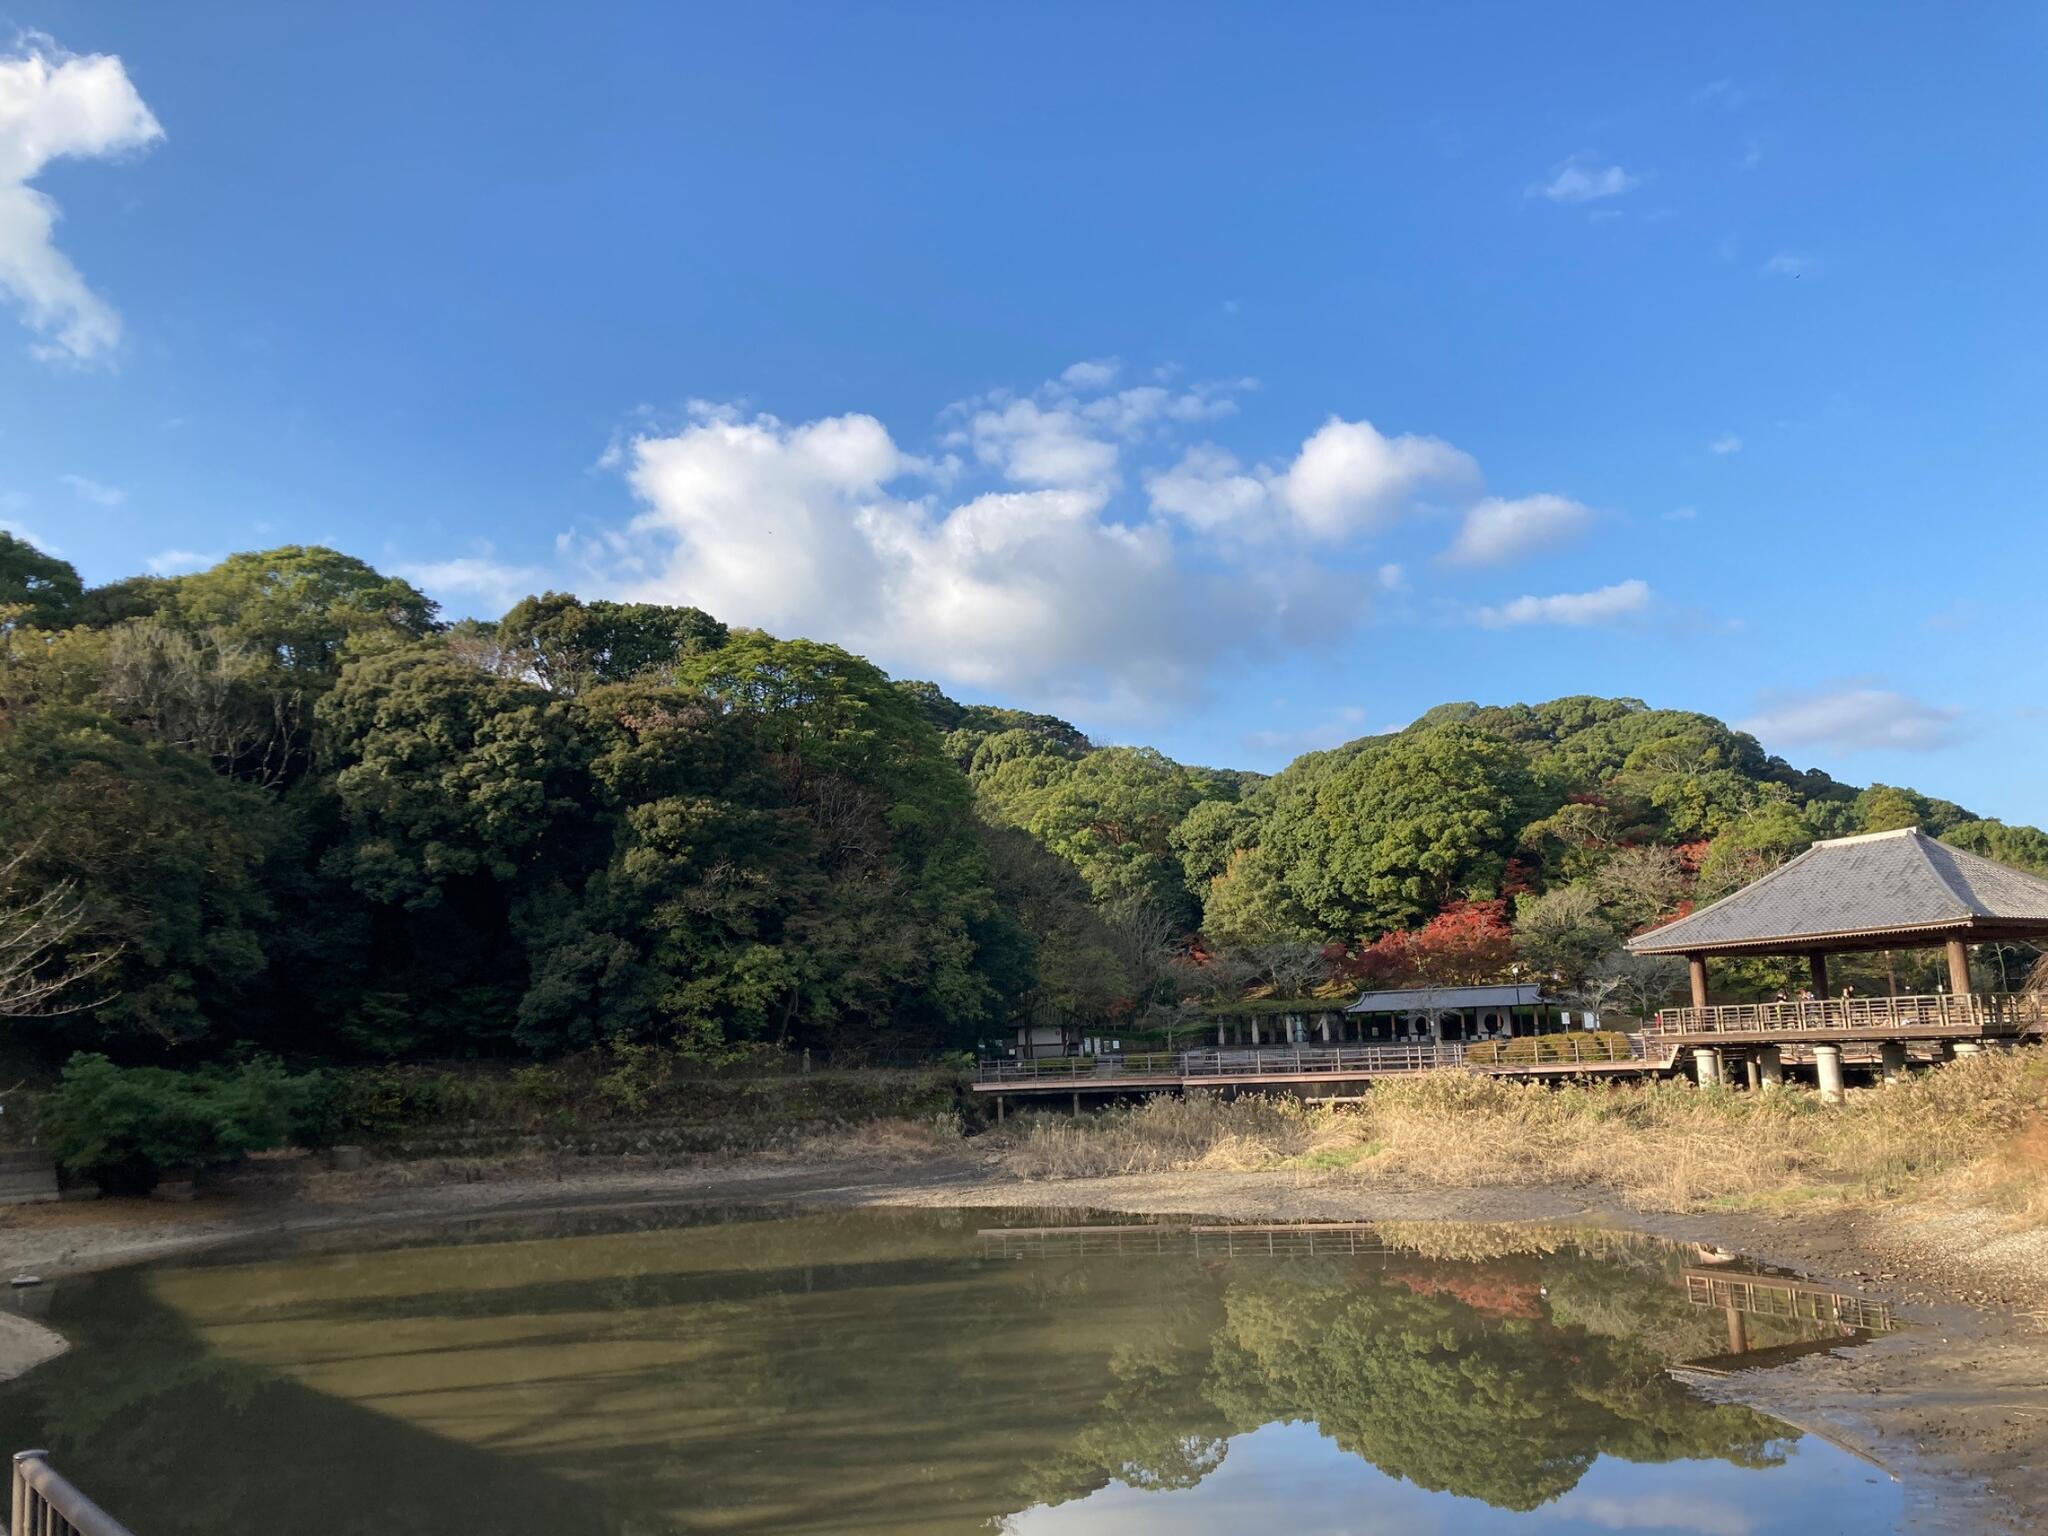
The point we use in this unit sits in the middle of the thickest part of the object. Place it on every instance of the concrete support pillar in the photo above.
(1958, 968)
(1891, 1056)
(1827, 1066)
(1967, 1048)
(1770, 1066)
(999, 1109)
(1738, 1331)
(1326, 1029)
(1077, 1105)
(1752, 1071)
(1696, 968)
(1706, 1066)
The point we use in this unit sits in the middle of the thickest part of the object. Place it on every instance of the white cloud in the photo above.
(1016, 562)
(1580, 180)
(175, 562)
(1129, 411)
(1097, 373)
(1681, 514)
(1033, 445)
(1625, 599)
(1497, 529)
(55, 105)
(479, 586)
(1727, 442)
(818, 529)
(12, 502)
(1209, 490)
(1348, 479)
(1853, 718)
(1790, 264)
(1684, 1512)
(98, 494)
(1721, 93)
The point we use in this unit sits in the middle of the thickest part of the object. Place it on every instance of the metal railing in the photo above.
(1942, 1012)
(45, 1503)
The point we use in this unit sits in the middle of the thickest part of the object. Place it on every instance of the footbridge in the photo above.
(1326, 1072)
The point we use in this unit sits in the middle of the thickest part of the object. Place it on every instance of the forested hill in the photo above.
(279, 805)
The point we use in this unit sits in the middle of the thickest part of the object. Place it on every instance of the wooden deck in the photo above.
(1304, 1065)
(1940, 1016)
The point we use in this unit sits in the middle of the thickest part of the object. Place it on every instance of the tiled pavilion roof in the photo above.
(1878, 891)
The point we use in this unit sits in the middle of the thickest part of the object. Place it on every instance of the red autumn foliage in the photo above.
(1467, 943)
(1486, 1291)
(1692, 855)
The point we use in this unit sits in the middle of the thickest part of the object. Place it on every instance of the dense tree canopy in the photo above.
(304, 815)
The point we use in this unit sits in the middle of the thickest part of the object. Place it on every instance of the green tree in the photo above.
(35, 588)
(567, 645)
(301, 602)
(1564, 934)
(169, 864)
(1429, 818)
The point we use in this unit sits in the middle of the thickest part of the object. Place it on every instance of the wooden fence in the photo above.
(1941, 1013)
(1527, 1054)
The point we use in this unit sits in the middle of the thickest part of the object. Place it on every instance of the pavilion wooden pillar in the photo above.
(1696, 966)
(1958, 968)
(1817, 971)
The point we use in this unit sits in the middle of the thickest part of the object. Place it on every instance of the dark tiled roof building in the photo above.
(1883, 890)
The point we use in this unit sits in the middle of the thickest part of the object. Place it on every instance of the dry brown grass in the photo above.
(1980, 1126)
(2012, 1178)
(890, 1140)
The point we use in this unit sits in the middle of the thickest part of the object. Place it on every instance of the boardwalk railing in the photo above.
(1788, 1297)
(1556, 1051)
(1996, 1013)
(45, 1503)
(1293, 1061)
(1293, 1239)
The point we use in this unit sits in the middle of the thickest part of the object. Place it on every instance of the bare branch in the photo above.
(40, 967)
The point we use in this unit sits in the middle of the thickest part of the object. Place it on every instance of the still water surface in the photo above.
(757, 1370)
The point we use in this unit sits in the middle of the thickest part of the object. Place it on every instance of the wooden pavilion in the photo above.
(1879, 891)
(1453, 1013)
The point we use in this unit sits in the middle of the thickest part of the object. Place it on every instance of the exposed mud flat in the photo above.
(1957, 1405)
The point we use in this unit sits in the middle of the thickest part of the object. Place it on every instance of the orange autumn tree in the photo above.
(1468, 943)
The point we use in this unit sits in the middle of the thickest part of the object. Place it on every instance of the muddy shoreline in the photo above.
(1956, 1406)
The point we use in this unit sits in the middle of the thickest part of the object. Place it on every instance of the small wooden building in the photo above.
(1439, 1014)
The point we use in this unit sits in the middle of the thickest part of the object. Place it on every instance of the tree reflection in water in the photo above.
(756, 1371)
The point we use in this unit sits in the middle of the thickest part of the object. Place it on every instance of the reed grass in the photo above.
(1979, 1124)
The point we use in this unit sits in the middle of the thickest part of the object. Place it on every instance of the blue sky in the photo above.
(1294, 1477)
(1233, 379)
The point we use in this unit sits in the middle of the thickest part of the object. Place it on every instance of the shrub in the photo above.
(125, 1126)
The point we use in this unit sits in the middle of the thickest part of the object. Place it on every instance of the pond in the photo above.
(794, 1370)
